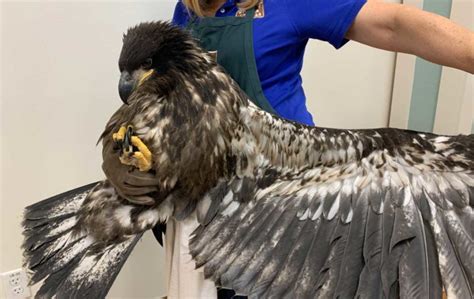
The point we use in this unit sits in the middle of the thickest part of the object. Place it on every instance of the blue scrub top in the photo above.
(280, 39)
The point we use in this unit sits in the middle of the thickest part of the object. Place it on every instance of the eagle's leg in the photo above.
(143, 155)
(133, 151)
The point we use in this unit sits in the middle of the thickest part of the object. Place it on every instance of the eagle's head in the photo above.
(160, 52)
(180, 103)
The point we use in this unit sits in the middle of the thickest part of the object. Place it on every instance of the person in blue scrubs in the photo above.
(280, 38)
(280, 30)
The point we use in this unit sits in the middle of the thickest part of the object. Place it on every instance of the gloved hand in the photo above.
(130, 183)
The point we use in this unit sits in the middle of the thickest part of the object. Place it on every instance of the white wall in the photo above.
(59, 78)
(350, 87)
(59, 87)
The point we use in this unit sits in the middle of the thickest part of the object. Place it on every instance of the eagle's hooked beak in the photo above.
(126, 86)
(128, 82)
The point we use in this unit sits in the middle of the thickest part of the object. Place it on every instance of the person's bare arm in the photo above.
(403, 28)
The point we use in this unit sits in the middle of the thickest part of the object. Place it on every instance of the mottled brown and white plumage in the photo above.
(284, 210)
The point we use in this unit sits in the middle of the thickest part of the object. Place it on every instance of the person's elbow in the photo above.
(379, 25)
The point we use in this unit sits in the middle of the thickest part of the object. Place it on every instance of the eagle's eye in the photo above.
(147, 63)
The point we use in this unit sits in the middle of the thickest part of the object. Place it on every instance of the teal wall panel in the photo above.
(424, 98)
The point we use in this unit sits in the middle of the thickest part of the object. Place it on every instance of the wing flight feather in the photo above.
(388, 225)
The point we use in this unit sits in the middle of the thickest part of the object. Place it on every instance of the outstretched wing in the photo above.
(392, 224)
(77, 242)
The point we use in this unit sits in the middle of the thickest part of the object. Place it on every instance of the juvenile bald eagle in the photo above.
(284, 210)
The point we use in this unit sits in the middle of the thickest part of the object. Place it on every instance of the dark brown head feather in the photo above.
(169, 46)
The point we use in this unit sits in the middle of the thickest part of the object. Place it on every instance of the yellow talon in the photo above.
(144, 164)
(120, 135)
(142, 159)
(136, 141)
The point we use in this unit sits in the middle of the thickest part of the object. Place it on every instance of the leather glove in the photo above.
(130, 183)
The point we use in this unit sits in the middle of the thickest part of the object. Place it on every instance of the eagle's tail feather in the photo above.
(73, 263)
(89, 274)
(48, 230)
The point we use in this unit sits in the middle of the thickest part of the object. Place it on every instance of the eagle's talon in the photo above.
(126, 145)
(142, 148)
(143, 155)
(127, 150)
(133, 150)
(129, 130)
(144, 164)
(119, 136)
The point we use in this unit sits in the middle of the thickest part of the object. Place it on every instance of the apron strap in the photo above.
(238, 41)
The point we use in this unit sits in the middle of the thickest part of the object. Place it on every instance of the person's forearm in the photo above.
(434, 38)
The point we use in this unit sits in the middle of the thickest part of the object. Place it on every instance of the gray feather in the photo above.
(257, 237)
(287, 274)
(370, 285)
(266, 258)
(315, 259)
(453, 275)
(326, 288)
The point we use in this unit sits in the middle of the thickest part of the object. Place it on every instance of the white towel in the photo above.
(183, 280)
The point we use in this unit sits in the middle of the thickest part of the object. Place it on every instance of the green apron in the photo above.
(232, 38)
